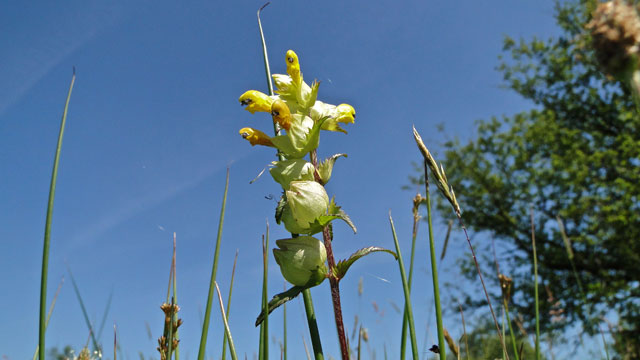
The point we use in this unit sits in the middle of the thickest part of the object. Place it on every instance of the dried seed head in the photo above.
(417, 200)
(505, 285)
(438, 173)
(615, 33)
(451, 343)
(166, 308)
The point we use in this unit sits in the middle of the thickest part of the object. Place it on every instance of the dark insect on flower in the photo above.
(435, 349)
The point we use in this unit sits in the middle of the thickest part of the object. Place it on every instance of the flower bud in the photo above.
(301, 260)
(307, 200)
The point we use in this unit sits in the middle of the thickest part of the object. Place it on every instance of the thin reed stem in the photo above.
(227, 330)
(407, 294)
(284, 329)
(169, 335)
(264, 326)
(444, 187)
(434, 272)
(464, 330)
(583, 295)
(51, 307)
(535, 289)
(313, 325)
(47, 229)
(233, 272)
(175, 295)
(214, 269)
(511, 333)
(403, 336)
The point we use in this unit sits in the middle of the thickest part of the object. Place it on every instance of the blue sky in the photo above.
(153, 124)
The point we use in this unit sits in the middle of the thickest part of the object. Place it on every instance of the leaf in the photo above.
(302, 137)
(342, 266)
(335, 212)
(280, 299)
(326, 167)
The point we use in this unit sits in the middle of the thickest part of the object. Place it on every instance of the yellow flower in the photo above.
(281, 114)
(256, 137)
(293, 67)
(345, 113)
(256, 101)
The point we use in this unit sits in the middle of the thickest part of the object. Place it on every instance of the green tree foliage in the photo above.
(484, 344)
(576, 156)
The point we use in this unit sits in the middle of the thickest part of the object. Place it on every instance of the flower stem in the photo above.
(335, 294)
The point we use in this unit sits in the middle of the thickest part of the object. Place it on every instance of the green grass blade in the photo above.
(407, 294)
(115, 342)
(104, 315)
(232, 347)
(47, 229)
(214, 268)
(233, 272)
(84, 311)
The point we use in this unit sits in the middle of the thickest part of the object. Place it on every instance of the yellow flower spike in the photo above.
(256, 137)
(256, 101)
(346, 113)
(281, 114)
(293, 67)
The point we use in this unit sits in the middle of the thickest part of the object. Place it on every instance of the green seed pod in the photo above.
(286, 171)
(301, 260)
(307, 200)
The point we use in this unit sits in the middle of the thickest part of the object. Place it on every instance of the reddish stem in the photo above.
(333, 281)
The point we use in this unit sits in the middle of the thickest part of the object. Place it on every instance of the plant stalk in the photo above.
(335, 294)
(511, 333)
(403, 336)
(313, 325)
(434, 272)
